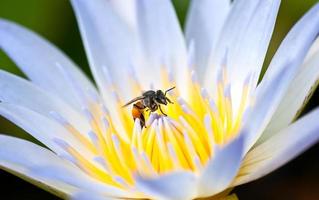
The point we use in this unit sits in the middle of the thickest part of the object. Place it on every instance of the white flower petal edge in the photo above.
(118, 52)
(162, 40)
(18, 91)
(280, 149)
(243, 44)
(296, 97)
(221, 170)
(47, 131)
(47, 170)
(84, 195)
(314, 49)
(282, 70)
(203, 26)
(43, 63)
(174, 186)
(111, 47)
(109, 43)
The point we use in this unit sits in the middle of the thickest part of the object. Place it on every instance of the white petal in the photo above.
(162, 39)
(281, 72)
(82, 181)
(175, 186)
(204, 23)
(296, 97)
(313, 50)
(43, 129)
(44, 168)
(38, 59)
(84, 195)
(243, 44)
(18, 91)
(109, 44)
(280, 148)
(111, 49)
(127, 10)
(18, 156)
(221, 170)
(296, 44)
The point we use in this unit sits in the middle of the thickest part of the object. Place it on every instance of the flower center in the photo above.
(182, 140)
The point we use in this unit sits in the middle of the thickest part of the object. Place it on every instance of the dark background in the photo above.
(54, 19)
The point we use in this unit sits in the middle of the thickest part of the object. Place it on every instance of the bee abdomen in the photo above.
(138, 112)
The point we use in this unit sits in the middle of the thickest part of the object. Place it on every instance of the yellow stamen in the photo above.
(184, 140)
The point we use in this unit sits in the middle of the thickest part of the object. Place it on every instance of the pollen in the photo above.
(182, 140)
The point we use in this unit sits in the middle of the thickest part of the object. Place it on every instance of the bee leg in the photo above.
(171, 102)
(162, 110)
(142, 121)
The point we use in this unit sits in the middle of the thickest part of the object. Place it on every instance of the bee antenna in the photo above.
(172, 88)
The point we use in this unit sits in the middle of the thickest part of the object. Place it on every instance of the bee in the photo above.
(151, 101)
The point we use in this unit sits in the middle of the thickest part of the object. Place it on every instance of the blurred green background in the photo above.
(55, 20)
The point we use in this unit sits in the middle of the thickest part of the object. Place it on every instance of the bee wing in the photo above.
(133, 100)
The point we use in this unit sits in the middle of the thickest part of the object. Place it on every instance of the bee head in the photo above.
(160, 97)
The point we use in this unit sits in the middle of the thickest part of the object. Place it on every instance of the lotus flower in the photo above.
(222, 130)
